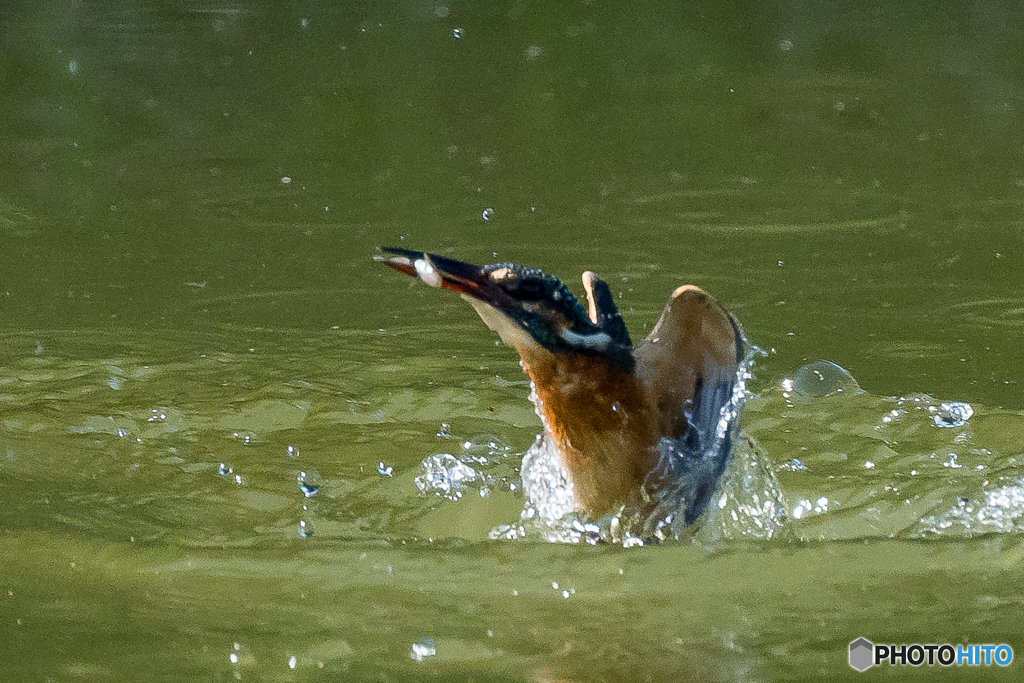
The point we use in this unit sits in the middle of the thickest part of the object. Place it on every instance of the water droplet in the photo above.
(456, 33)
(488, 214)
(293, 661)
(309, 483)
(869, 465)
(293, 452)
(224, 470)
(423, 650)
(384, 469)
(305, 528)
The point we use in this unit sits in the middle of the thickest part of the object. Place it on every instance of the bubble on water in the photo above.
(224, 470)
(488, 214)
(384, 469)
(819, 379)
(293, 452)
(293, 661)
(456, 33)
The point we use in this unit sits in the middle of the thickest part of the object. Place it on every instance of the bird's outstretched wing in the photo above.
(690, 361)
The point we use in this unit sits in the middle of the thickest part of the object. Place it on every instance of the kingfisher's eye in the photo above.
(527, 289)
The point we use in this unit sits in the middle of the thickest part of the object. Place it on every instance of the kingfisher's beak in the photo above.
(472, 282)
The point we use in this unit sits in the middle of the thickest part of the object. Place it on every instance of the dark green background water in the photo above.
(189, 198)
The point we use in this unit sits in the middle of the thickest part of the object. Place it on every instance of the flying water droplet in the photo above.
(309, 483)
(423, 650)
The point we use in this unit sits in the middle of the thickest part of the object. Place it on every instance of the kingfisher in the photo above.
(637, 428)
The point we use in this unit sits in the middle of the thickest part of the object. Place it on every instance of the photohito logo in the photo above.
(864, 654)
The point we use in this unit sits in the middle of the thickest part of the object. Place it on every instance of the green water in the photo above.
(191, 326)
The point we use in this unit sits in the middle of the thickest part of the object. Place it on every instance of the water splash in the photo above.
(1001, 511)
(550, 503)
(445, 475)
(953, 414)
(475, 468)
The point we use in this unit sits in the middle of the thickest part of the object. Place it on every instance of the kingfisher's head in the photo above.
(530, 310)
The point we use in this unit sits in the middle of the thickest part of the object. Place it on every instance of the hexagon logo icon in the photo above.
(862, 654)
